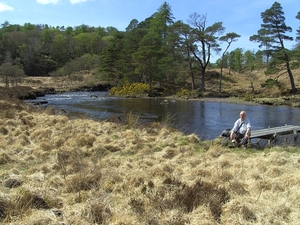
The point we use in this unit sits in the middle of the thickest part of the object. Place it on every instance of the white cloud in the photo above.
(77, 1)
(5, 7)
(45, 2)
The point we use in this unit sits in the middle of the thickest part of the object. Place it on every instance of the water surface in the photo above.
(206, 119)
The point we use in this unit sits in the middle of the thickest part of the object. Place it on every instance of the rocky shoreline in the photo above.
(29, 93)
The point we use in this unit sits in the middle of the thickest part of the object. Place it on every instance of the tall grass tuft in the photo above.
(4, 208)
(84, 181)
(202, 193)
(132, 120)
(168, 121)
(98, 210)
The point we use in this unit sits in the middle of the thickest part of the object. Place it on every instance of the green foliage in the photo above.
(272, 36)
(296, 57)
(85, 62)
(298, 30)
(270, 83)
(184, 93)
(11, 74)
(296, 104)
(158, 49)
(128, 89)
(43, 49)
(204, 39)
(248, 96)
(236, 60)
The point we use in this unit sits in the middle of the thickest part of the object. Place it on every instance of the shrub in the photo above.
(248, 96)
(269, 83)
(128, 89)
(98, 211)
(184, 93)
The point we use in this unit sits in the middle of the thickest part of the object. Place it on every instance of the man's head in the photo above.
(242, 115)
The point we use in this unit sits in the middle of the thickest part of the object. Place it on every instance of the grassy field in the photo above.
(54, 170)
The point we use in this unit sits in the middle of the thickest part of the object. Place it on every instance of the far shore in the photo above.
(28, 93)
(233, 100)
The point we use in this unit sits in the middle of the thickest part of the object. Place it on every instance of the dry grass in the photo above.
(248, 85)
(60, 83)
(59, 171)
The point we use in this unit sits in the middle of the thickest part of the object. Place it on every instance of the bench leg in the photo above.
(295, 137)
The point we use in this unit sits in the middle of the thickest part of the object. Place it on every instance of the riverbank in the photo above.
(37, 86)
(55, 170)
(225, 99)
(25, 93)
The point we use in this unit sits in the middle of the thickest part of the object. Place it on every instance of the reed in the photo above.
(132, 120)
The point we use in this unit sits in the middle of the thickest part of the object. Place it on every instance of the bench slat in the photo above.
(271, 132)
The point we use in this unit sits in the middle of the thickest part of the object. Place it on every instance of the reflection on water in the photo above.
(206, 119)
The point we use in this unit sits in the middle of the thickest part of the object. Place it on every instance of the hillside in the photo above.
(236, 84)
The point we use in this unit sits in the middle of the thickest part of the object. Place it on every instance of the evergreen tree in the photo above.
(110, 58)
(238, 60)
(249, 60)
(296, 50)
(298, 30)
(229, 38)
(273, 34)
(147, 56)
(152, 58)
(183, 65)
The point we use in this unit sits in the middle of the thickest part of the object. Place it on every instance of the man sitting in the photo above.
(240, 132)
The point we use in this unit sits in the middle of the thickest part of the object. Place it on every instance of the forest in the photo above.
(157, 50)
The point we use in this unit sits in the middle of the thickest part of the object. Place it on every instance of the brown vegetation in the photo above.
(55, 170)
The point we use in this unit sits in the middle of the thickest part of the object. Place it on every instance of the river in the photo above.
(206, 119)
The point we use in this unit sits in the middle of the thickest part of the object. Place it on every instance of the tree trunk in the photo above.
(150, 81)
(193, 81)
(192, 76)
(203, 79)
(220, 86)
(221, 73)
(294, 89)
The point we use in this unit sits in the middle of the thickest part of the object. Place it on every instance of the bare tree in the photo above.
(204, 40)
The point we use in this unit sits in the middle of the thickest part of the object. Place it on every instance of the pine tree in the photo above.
(272, 35)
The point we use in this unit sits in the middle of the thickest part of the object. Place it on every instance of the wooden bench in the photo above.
(272, 133)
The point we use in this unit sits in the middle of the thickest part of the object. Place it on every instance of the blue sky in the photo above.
(239, 16)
